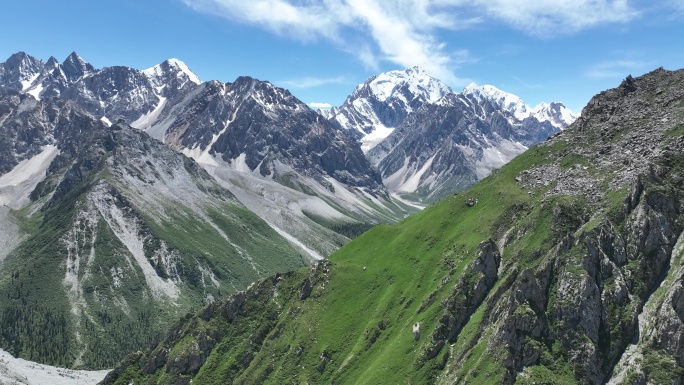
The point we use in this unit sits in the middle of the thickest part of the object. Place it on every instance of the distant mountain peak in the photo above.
(75, 67)
(418, 82)
(555, 113)
(173, 65)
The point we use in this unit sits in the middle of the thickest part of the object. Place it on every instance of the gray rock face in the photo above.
(269, 130)
(19, 71)
(596, 291)
(466, 296)
(448, 146)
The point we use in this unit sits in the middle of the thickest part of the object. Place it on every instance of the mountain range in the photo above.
(564, 266)
(128, 197)
(113, 235)
(428, 141)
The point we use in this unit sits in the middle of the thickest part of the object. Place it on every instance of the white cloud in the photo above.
(322, 106)
(616, 69)
(406, 32)
(311, 82)
(553, 17)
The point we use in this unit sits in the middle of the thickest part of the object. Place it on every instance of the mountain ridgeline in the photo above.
(302, 174)
(564, 266)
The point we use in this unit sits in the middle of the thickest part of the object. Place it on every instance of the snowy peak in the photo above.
(19, 71)
(384, 101)
(503, 100)
(175, 67)
(555, 113)
(75, 67)
(415, 80)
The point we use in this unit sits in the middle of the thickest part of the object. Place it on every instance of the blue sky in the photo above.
(541, 50)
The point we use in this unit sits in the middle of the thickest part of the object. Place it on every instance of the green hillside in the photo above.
(537, 274)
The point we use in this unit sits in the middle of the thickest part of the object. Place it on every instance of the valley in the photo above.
(186, 231)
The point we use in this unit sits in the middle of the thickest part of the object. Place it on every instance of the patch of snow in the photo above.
(16, 186)
(25, 84)
(106, 121)
(379, 133)
(35, 91)
(178, 64)
(147, 120)
(21, 372)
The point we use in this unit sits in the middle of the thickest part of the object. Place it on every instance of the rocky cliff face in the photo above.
(564, 266)
(449, 145)
(263, 128)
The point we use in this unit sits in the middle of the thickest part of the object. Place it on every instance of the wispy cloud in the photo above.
(552, 17)
(311, 82)
(322, 106)
(406, 32)
(615, 69)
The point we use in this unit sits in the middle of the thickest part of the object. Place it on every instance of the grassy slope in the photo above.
(380, 284)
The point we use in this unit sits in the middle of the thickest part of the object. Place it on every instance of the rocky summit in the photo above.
(563, 266)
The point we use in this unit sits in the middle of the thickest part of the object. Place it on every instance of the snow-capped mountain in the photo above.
(555, 113)
(384, 101)
(283, 160)
(300, 172)
(19, 71)
(428, 141)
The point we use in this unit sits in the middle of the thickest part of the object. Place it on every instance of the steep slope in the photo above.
(302, 174)
(540, 273)
(115, 235)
